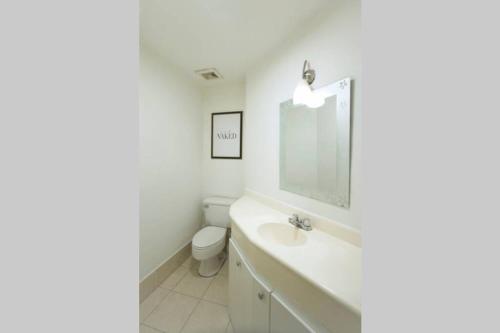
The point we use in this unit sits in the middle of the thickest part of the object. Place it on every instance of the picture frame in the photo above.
(226, 135)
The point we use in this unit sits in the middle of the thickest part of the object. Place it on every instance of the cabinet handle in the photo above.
(260, 295)
(238, 263)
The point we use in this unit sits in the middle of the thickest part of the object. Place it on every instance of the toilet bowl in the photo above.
(209, 242)
(207, 247)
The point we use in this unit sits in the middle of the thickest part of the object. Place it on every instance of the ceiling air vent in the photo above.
(209, 74)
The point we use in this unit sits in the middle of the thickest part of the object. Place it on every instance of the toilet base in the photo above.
(211, 266)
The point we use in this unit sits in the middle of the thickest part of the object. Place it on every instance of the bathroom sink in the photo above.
(282, 234)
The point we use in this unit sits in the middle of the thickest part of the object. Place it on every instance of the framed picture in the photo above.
(227, 131)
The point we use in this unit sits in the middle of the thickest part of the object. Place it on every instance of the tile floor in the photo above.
(188, 303)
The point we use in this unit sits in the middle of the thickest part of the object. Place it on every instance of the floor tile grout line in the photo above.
(143, 322)
(163, 298)
(181, 265)
(189, 317)
(165, 288)
(160, 285)
(154, 328)
(182, 278)
(196, 306)
(157, 305)
(199, 299)
(185, 294)
(214, 302)
(172, 289)
(211, 301)
(210, 284)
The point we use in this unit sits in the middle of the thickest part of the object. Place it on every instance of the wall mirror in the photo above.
(315, 146)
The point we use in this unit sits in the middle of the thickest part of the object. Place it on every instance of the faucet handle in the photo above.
(294, 219)
(306, 223)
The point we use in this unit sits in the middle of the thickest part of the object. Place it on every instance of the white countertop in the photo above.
(328, 262)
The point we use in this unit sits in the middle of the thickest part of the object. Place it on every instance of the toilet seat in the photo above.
(209, 237)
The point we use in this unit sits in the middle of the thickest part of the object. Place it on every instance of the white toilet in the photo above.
(208, 243)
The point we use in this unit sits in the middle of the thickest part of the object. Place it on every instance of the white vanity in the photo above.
(283, 279)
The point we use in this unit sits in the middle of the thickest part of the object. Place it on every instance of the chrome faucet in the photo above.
(304, 223)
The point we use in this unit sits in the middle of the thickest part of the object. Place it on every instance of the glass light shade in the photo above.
(315, 100)
(304, 95)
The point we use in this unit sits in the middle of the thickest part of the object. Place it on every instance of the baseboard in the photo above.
(157, 276)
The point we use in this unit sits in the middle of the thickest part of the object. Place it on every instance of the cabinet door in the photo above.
(249, 297)
(240, 293)
(261, 306)
(284, 319)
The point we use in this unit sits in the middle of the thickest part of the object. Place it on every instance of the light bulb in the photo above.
(303, 95)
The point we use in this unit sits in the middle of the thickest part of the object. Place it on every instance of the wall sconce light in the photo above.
(303, 93)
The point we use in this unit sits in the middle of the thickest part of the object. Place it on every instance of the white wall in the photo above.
(221, 176)
(332, 43)
(175, 129)
(170, 160)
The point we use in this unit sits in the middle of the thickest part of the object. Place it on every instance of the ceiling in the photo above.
(230, 35)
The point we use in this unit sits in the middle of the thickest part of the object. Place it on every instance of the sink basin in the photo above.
(282, 234)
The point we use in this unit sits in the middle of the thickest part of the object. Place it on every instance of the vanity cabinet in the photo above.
(249, 297)
(285, 319)
(253, 307)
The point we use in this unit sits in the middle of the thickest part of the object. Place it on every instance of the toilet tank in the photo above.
(216, 210)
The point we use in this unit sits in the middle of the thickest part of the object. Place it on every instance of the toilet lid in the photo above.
(209, 236)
